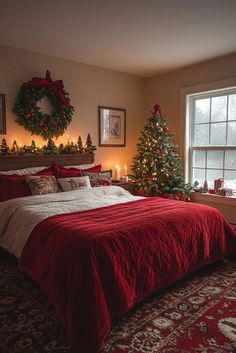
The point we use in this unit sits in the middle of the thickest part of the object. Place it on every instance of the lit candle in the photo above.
(68, 139)
(125, 170)
(117, 172)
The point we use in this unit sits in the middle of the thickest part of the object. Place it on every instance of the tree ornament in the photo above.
(89, 147)
(166, 175)
(31, 117)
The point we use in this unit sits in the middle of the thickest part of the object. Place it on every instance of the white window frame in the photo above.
(185, 122)
(192, 148)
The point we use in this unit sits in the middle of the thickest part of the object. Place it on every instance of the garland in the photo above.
(49, 148)
(30, 116)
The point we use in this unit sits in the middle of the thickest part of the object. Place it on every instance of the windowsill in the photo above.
(216, 199)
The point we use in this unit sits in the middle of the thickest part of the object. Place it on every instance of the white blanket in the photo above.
(18, 217)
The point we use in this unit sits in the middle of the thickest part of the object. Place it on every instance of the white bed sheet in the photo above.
(18, 217)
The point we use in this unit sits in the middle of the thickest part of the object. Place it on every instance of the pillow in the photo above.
(25, 171)
(99, 179)
(74, 183)
(40, 185)
(61, 172)
(80, 166)
(14, 186)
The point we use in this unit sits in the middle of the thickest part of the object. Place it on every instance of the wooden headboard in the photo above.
(26, 161)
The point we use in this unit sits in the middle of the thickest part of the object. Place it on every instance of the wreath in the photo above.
(31, 117)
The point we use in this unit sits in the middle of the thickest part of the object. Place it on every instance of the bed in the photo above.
(97, 252)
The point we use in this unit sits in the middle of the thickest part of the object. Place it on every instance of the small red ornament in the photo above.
(45, 128)
(28, 116)
(166, 129)
(40, 123)
(166, 175)
(144, 174)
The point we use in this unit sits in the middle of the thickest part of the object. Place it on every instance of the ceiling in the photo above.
(140, 37)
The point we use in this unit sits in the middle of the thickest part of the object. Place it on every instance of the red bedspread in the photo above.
(95, 265)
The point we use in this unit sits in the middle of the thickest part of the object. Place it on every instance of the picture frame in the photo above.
(2, 114)
(112, 126)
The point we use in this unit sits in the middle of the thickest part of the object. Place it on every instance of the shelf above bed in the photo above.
(27, 161)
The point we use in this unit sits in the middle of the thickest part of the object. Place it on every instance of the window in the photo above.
(212, 137)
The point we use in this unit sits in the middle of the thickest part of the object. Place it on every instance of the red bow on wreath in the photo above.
(57, 86)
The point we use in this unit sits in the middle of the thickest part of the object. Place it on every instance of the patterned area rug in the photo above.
(196, 316)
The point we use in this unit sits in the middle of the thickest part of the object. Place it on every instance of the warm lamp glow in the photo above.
(117, 172)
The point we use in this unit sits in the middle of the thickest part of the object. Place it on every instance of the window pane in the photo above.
(202, 110)
(218, 108)
(230, 179)
(199, 159)
(232, 107)
(201, 135)
(231, 134)
(215, 159)
(199, 175)
(218, 134)
(212, 175)
(230, 159)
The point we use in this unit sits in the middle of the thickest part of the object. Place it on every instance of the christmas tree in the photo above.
(89, 147)
(4, 149)
(156, 168)
(80, 145)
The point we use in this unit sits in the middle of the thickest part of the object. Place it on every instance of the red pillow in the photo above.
(14, 186)
(61, 172)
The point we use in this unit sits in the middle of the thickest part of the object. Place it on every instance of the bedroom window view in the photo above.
(213, 138)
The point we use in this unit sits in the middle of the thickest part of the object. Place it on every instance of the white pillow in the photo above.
(79, 166)
(74, 183)
(25, 171)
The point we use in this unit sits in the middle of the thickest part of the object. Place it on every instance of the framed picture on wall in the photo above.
(112, 127)
(2, 114)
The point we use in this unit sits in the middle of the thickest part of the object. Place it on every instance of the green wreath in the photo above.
(30, 116)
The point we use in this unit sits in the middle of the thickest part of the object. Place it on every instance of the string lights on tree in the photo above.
(156, 167)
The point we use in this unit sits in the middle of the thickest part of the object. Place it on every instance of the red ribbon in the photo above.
(57, 86)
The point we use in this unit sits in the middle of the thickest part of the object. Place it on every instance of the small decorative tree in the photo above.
(89, 147)
(4, 149)
(80, 145)
(51, 147)
(156, 168)
(15, 148)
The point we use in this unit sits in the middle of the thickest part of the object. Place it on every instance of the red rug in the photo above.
(196, 316)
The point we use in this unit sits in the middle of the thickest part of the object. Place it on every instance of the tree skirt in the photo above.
(196, 316)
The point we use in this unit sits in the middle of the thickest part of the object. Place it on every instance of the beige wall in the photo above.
(166, 89)
(88, 86)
